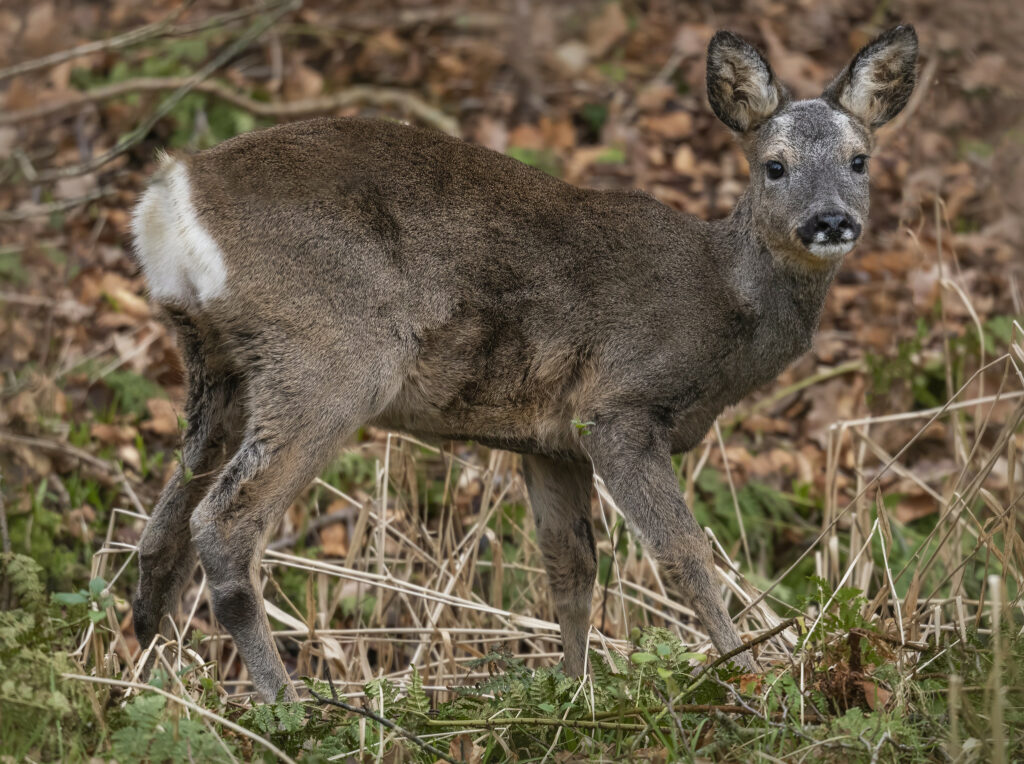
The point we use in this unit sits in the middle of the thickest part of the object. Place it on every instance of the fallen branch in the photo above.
(38, 210)
(357, 95)
(691, 688)
(767, 402)
(381, 720)
(163, 28)
(55, 446)
(409, 18)
(5, 548)
(317, 524)
(190, 706)
(140, 132)
(539, 721)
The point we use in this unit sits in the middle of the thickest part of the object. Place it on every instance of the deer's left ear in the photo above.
(879, 80)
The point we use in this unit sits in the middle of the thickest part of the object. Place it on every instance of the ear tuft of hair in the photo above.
(879, 80)
(742, 89)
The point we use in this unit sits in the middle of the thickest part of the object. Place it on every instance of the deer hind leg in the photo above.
(297, 423)
(166, 554)
(560, 497)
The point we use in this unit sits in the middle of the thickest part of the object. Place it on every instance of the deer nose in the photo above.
(829, 227)
(832, 222)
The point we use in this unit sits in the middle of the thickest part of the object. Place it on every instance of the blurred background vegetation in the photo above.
(872, 491)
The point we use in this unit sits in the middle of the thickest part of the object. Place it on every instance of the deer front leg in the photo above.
(635, 462)
(560, 498)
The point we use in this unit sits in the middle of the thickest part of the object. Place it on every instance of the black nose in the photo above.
(829, 227)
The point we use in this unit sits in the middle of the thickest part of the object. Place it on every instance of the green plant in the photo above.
(582, 428)
(150, 729)
(38, 709)
(131, 391)
(96, 599)
(542, 159)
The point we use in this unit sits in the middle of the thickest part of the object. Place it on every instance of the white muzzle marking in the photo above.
(835, 249)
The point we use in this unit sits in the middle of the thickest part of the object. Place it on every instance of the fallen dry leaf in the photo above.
(112, 434)
(684, 161)
(606, 29)
(78, 522)
(462, 748)
(571, 57)
(163, 417)
(915, 507)
(674, 126)
(876, 696)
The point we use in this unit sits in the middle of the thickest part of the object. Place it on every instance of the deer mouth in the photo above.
(830, 233)
(830, 249)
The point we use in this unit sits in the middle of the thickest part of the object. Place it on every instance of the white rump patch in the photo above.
(181, 261)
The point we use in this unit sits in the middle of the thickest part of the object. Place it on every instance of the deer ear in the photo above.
(879, 80)
(742, 89)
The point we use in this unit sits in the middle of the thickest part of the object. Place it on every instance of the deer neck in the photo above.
(782, 292)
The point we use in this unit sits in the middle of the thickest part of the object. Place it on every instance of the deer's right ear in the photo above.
(742, 89)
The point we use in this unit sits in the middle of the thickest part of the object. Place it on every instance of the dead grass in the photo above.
(430, 610)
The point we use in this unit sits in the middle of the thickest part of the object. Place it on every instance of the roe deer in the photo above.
(333, 273)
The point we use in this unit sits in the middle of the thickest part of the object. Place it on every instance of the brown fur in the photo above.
(382, 274)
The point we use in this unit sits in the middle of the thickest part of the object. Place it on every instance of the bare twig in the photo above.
(759, 639)
(353, 96)
(141, 34)
(725, 657)
(163, 28)
(140, 132)
(406, 18)
(319, 523)
(56, 446)
(190, 706)
(381, 720)
(5, 547)
(769, 401)
(5, 538)
(40, 210)
(539, 721)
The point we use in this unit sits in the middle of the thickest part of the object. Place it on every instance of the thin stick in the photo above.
(132, 37)
(162, 28)
(174, 99)
(352, 96)
(189, 705)
(735, 498)
(5, 546)
(759, 639)
(540, 721)
(381, 720)
(770, 400)
(56, 446)
(5, 538)
(39, 210)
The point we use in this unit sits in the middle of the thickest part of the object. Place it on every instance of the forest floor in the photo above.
(864, 507)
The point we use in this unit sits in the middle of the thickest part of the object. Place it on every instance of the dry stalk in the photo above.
(189, 705)
(274, 13)
(165, 27)
(356, 95)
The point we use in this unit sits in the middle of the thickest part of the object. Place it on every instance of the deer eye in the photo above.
(775, 170)
(859, 163)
